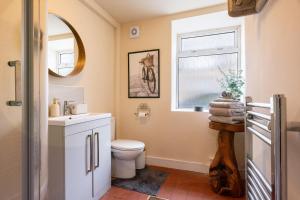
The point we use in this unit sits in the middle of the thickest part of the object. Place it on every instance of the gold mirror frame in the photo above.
(81, 51)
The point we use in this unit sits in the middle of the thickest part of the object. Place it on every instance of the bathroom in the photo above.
(175, 141)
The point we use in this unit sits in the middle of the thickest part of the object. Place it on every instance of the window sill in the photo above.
(188, 110)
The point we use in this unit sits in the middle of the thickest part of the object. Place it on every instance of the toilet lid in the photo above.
(127, 145)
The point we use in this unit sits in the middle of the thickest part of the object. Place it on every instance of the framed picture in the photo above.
(143, 74)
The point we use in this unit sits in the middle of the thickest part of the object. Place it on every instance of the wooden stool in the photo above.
(224, 175)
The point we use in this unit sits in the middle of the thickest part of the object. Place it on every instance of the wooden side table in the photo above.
(224, 175)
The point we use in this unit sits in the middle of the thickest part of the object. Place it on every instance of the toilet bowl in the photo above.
(124, 156)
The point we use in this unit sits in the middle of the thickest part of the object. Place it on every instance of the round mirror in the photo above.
(66, 55)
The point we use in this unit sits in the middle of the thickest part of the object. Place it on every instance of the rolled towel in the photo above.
(226, 112)
(226, 104)
(227, 120)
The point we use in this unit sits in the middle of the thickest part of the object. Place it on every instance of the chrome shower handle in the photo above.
(18, 80)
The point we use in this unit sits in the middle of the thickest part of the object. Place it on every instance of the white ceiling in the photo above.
(133, 10)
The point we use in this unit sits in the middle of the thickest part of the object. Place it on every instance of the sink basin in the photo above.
(76, 119)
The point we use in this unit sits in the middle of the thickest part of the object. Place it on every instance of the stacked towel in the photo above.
(226, 120)
(221, 99)
(227, 105)
(224, 110)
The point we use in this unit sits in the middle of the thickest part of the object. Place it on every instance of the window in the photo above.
(198, 59)
(65, 62)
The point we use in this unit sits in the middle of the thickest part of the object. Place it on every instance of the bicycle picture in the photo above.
(148, 74)
(143, 74)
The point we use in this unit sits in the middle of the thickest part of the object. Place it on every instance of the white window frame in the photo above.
(206, 52)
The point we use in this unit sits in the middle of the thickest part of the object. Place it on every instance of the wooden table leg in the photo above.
(224, 175)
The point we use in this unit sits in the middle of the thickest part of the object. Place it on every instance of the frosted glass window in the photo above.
(213, 41)
(199, 57)
(198, 78)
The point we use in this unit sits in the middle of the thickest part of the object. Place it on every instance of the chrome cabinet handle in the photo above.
(90, 148)
(18, 79)
(98, 151)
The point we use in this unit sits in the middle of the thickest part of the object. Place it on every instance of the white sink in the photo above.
(76, 119)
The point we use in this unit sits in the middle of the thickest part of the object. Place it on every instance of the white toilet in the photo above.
(127, 156)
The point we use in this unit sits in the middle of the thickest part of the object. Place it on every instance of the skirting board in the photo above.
(177, 164)
(182, 165)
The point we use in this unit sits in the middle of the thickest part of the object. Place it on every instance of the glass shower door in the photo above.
(10, 116)
(23, 116)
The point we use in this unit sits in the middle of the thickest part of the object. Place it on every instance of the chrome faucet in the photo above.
(67, 107)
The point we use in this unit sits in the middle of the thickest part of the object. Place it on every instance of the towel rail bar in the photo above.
(279, 148)
(259, 115)
(255, 188)
(259, 175)
(253, 192)
(259, 185)
(259, 105)
(260, 136)
(250, 195)
(264, 127)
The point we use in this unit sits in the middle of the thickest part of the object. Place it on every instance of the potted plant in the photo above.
(232, 82)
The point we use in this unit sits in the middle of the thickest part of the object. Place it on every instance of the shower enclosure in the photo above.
(23, 110)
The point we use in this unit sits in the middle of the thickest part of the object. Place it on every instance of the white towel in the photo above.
(226, 120)
(226, 104)
(226, 112)
(225, 100)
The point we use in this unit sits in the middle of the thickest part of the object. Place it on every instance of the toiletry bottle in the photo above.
(54, 108)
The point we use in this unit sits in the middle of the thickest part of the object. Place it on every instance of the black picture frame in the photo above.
(144, 74)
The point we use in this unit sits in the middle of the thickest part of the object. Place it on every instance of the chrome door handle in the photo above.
(89, 164)
(98, 151)
(18, 80)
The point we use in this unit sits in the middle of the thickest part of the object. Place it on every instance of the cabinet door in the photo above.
(102, 161)
(78, 165)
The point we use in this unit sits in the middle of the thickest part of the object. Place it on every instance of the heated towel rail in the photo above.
(267, 122)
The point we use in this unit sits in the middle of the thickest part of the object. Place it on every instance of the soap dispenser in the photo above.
(54, 108)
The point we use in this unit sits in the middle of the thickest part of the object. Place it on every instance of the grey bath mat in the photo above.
(147, 181)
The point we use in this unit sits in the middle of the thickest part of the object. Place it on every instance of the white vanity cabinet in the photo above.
(80, 159)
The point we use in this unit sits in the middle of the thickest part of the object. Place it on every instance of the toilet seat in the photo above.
(127, 145)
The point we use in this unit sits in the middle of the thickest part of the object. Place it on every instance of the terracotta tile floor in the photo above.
(180, 185)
